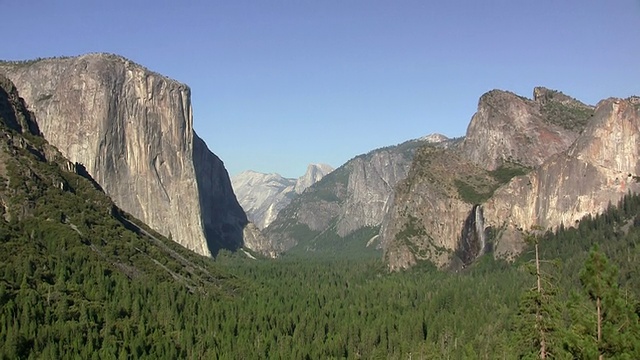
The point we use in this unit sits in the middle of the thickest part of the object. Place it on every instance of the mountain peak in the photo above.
(132, 129)
(511, 128)
(434, 138)
(314, 173)
(543, 95)
(262, 195)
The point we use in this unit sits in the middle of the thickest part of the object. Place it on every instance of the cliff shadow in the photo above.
(81, 170)
(22, 121)
(222, 216)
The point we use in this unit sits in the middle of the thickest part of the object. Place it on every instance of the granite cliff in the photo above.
(348, 203)
(510, 142)
(508, 127)
(262, 196)
(599, 168)
(132, 129)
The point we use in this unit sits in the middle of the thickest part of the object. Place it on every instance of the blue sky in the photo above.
(279, 84)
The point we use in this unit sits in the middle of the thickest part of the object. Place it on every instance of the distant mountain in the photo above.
(348, 205)
(314, 173)
(262, 196)
(434, 138)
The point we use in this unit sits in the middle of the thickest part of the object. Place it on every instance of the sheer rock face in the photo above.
(508, 127)
(225, 223)
(370, 188)
(132, 130)
(262, 196)
(599, 169)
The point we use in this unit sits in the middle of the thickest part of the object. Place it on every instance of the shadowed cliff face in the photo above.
(473, 239)
(224, 219)
(132, 130)
(13, 109)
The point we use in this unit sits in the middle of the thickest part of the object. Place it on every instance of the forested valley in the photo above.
(62, 299)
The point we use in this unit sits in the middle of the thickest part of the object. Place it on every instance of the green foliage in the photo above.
(406, 149)
(479, 189)
(329, 188)
(412, 228)
(470, 194)
(301, 231)
(613, 328)
(507, 171)
(295, 307)
(332, 308)
(79, 280)
(330, 245)
(588, 273)
(412, 234)
(569, 116)
(539, 323)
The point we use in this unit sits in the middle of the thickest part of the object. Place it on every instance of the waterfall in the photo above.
(479, 224)
(473, 240)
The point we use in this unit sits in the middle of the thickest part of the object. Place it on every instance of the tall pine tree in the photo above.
(612, 331)
(539, 316)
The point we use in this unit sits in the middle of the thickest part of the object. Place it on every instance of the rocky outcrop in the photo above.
(262, 196)
(132, 130)
(353, 197)
(510, 128)
(434, 138)
(523, 164)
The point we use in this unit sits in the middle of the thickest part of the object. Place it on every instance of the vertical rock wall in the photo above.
(133, 131)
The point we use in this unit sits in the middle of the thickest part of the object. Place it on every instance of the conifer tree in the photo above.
(539, 316)
(616, 332)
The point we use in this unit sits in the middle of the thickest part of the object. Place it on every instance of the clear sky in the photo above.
(277, 84)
